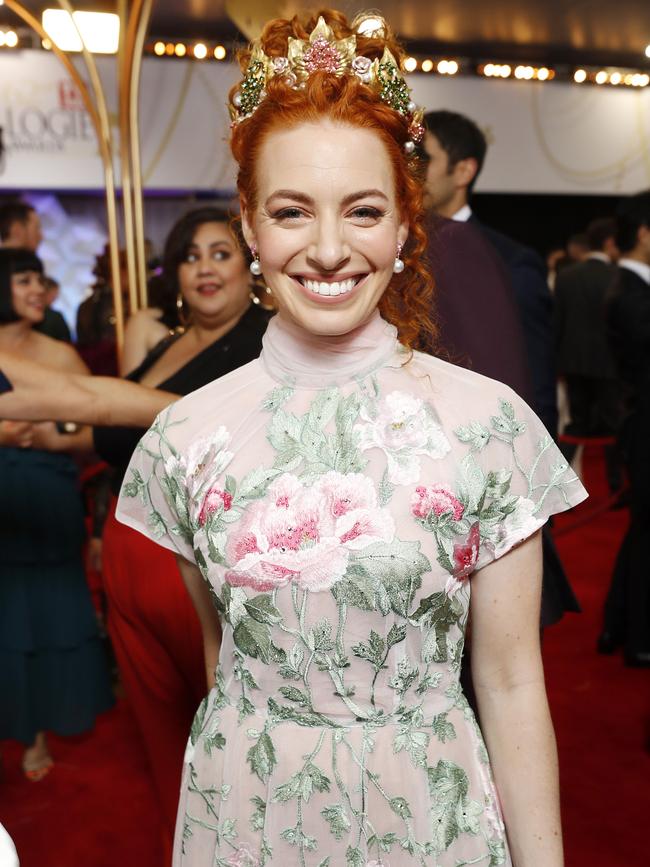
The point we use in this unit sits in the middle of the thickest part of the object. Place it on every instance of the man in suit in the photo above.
(500, 319)
(627, 609)
(582, 350)
(454, 149)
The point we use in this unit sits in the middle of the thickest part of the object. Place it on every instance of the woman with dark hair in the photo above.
(167, 309)
(53, 674)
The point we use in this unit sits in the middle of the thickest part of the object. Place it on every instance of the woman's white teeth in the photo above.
(330, 288)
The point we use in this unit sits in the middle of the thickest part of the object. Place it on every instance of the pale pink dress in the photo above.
(337, 495)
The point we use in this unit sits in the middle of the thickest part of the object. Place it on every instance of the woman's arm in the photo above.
(208, 617)
(40, 393)
(141, 333)
(508, 679)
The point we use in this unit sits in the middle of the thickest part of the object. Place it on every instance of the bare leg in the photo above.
(37, 761)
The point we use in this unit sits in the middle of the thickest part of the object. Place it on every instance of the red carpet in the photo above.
(96, 808)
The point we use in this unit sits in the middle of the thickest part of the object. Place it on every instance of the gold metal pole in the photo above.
(111, 206)
(141, 25)
(124, 74)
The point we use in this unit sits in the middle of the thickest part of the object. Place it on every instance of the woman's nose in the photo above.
(329, 250)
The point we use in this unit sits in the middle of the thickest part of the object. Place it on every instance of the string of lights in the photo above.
(444, 66)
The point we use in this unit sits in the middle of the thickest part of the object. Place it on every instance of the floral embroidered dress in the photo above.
(337, 494)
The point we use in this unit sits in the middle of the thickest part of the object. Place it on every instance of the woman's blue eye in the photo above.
(288, 214)
(367, 213)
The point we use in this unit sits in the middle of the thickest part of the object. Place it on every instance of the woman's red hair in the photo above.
(407, 302)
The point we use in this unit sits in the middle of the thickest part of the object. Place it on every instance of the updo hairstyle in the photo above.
(407, 302)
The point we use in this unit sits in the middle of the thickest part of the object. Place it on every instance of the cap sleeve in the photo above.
(512, 477)
(155, 499)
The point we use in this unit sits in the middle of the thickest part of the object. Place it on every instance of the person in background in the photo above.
(96, 317)
(454, 149)
(53, 324)
(577, 247)
(152, 624)
(583, 355)
(53, 674)
(20, 226)
(626, 621)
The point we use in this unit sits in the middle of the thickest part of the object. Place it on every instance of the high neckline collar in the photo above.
(296, 357)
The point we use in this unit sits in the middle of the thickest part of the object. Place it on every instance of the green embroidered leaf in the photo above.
(401, 807)
(287, 791)
(337, 819)
(320, 636)
(295, 837)
(284, 430)
(293, 694)
(398, 566)
(213, 741)
(130, 489)
(414, 742)
(304, 718)
(448, 786)
(404, 677)
(276, 398)
(325, 862)
(358, 589)
(386, 489)
(396, 634)
(245, 708)
(197, 722)
(354, 857)
(262, 609)
(291, 670)
(497, 851)
(253, 639)
(261, 757)
(313, 778)
(254, 485)
(323, 408)
(156, 524)
(443, 729)
(475, 434)
(256, 820)
(373, 650)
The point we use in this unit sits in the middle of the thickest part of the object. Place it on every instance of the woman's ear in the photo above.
(402, 233)
(246, 227)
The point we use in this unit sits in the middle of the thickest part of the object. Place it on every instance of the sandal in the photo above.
(37, 771)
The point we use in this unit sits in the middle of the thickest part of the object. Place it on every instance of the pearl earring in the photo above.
(255, 266)
(398, 265)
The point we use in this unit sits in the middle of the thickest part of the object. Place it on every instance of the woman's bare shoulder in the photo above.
(56, 354)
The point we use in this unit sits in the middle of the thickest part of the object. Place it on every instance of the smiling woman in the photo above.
(339, 505)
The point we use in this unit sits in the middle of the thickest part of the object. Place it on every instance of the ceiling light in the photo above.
(452, 67)
(427, 65)
(169, 49)
(505, 71)
(543, 74)
(159, 48)
(100, 31)
(219, 52)
(601, 77)
(10, 39)
(647, 51)
(644, 80)
(180, 50)
(410, 64)
(519, 72)
(443, 67)
(580, 75)
(200, 51)
(615, 78)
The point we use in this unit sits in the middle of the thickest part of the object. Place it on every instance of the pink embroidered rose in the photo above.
(243, 856)
(466, 554)
(214, 499)
(437, 500)
(306, 533)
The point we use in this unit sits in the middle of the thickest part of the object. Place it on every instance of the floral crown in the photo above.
(323, 53)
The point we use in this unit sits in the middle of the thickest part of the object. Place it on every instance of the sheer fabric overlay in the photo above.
(337, 494)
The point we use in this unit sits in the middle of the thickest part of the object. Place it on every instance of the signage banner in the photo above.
(544, 138)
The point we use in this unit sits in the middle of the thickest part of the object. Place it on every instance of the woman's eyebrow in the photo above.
(364, 194)
(297, 196)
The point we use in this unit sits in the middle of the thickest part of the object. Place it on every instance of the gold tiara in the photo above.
(321, 52)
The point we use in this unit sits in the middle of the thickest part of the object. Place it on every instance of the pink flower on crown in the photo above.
(322, 56)
(361, 66)
(214, 499)
(280, 65)
(437, 500)
(306, 533)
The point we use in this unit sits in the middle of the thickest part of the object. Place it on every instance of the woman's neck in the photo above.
(206, 331)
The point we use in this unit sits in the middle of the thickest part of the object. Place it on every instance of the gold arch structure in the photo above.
(134, 21)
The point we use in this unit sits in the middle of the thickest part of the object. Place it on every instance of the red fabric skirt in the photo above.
(158, 645)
